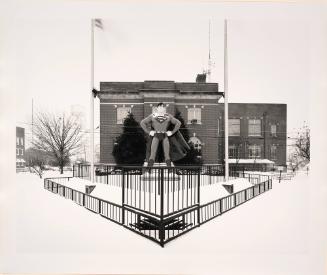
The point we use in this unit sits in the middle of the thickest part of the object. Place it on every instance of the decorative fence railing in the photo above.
(112, 174)
(215, 208)
(162, 203)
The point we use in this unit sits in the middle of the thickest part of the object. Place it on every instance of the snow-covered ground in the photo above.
(113, 193)
(49, 234)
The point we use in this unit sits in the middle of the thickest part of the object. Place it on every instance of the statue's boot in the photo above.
(168, 162)
(150, 164)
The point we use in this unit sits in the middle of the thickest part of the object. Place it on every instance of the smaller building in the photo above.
(257, 135)
(20, 147)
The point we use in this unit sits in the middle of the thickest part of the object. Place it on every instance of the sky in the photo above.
(47, 46)
(268, 50)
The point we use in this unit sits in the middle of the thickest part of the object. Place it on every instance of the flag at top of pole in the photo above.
(98, 23)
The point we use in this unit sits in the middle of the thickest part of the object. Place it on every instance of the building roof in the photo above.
(159, 85)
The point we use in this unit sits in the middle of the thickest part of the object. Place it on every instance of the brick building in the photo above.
(20, 147)
(256, 130)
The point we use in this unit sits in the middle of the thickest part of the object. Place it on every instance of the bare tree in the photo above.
(294, 161)
(36, 161)
(59, 136)
(302, 143)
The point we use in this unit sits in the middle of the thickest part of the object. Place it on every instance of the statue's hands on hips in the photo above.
(169, 133)
(152, 133)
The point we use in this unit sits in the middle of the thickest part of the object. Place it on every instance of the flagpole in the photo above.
(92, 101)
(226, 102)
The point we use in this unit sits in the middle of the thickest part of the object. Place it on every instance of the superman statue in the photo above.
(157, 125)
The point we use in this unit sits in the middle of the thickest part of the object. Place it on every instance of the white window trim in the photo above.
(199, 121)
(237, 150)
(252, 134)
(271, 155)
(121, 121)
(239, 132)
(254, 147)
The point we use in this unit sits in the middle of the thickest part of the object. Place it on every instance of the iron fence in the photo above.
(215, 208)
(112, 174)
(160, 203)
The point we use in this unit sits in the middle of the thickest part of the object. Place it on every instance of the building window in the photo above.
(254, 127)
(273, 130)
(21, 141)
(233, 152)
(196, 143)
(254, 151)
(21, 152)
(17, 152)
(17, 140)
(273, 152)
(194, 115)
(122, 113)
(234, 126)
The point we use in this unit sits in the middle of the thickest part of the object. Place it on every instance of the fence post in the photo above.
(161, 227)
(107, 172)
(199, 179)
(123, 197)
(73, 169)
(280, 175)
(221, 206)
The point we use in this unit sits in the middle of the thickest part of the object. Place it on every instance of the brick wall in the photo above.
(212, 116)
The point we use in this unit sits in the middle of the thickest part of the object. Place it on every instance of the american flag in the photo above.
(98, 23)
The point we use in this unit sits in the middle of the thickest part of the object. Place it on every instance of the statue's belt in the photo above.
(160, 135)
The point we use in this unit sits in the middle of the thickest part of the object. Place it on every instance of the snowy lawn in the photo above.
(113, 193)
(52, 234)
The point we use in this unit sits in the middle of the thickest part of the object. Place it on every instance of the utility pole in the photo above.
(94, 23)
(226, 102)
(32, 122)
(92, 101)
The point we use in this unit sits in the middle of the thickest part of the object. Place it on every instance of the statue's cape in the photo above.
(178, 146)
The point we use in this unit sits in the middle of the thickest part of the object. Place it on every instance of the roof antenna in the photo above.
(210, 63)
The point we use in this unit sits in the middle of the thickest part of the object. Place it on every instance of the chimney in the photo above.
(201, 78)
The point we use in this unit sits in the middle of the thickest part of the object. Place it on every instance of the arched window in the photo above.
(196, 143)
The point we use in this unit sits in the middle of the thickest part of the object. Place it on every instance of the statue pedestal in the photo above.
(155, 174)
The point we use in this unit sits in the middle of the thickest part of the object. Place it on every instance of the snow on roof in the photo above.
(251, 161)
